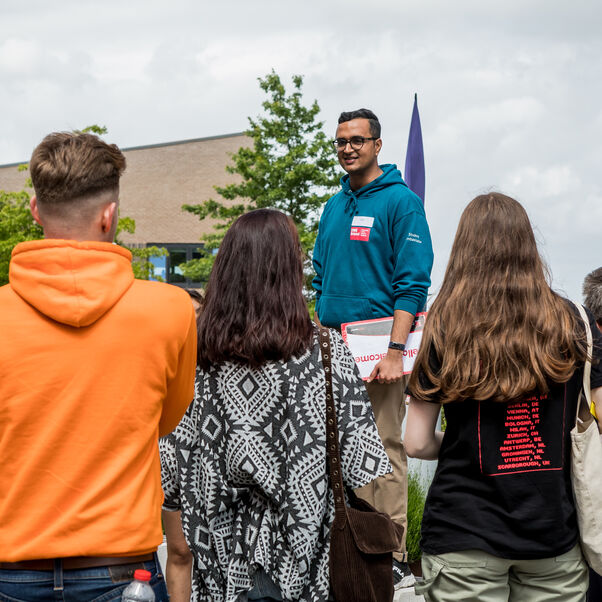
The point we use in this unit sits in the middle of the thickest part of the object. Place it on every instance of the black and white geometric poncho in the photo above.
(247, 468)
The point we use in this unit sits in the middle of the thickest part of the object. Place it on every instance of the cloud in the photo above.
(25, 62)
(18, 55)
(508, 92)
(535, 182)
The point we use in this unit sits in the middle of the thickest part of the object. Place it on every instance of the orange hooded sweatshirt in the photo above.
(94, 367)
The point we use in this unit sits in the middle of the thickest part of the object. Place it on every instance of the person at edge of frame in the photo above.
(592, 300)
(94, 367)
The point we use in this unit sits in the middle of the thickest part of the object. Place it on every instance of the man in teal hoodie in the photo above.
(373, 258)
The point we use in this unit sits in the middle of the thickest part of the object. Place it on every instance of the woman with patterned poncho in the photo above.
(247, 464)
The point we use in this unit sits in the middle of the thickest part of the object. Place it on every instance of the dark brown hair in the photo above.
(362, 114)
(195, 295)
(69, 165)
(254, 310)
(496, 327)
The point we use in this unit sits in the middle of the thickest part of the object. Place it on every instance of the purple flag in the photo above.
(414, 170)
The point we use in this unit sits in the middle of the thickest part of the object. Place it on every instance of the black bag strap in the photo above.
(332, 434)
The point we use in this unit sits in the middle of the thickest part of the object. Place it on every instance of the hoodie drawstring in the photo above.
(351, 204)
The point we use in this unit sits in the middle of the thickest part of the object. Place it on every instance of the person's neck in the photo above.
(77, 236)
(360, 179)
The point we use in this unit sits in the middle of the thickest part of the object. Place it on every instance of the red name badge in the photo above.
(360, 234)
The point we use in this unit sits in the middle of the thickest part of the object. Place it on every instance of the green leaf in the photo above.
(141, 265)
(290, 166)
(16, 225)
(99, 130)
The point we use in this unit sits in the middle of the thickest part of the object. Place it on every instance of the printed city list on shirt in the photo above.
(525, 436)
(368, 341)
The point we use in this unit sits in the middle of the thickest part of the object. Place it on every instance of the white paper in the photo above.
(369, 349)
(362, 220)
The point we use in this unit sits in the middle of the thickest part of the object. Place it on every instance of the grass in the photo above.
(416, 498)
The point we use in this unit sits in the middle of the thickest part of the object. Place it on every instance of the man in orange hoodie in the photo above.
(94, 367)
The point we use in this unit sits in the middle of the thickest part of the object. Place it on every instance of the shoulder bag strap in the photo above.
(332, 434)
(587, 369)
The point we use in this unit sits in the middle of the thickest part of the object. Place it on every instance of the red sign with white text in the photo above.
(359, 234)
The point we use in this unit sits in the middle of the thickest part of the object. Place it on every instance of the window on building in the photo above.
(169, 267)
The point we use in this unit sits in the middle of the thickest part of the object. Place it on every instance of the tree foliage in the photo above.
(17, 225)
(291, 167)
(99, 130)
(142, 265)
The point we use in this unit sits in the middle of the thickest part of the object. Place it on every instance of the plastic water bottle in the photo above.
(139, 590)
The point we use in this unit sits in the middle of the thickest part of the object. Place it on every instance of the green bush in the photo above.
(416, 498)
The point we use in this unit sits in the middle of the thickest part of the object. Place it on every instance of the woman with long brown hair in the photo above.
(503, 354)
(247, 464)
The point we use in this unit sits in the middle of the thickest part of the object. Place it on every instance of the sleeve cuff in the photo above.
(412, 307)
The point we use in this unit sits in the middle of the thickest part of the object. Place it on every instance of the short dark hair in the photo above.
(363, 114)
(592, 293)
(71, 165)
(195, 295)
(254, 310)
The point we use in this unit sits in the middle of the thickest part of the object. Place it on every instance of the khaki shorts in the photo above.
(473, 575)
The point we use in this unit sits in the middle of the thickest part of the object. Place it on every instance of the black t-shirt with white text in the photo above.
(502, 483)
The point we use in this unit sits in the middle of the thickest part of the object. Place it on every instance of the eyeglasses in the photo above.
(356, 142)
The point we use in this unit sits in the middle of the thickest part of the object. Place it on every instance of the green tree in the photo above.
(291, 167)
(99, 130)
(142, 265)
(17, 225)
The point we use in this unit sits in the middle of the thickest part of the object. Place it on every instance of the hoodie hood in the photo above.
(72, 282)
(391, 176)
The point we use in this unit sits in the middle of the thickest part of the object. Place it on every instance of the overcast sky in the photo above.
(509, 92)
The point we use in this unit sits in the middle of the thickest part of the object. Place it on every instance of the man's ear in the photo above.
(378, 144)
(108, 218)
(35, 212)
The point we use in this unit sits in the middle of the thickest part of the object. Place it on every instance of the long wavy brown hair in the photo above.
(497, 329)
(254, 310)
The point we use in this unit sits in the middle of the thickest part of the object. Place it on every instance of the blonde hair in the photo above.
(496, 327)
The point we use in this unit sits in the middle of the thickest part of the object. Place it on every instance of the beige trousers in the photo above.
(389, 493)
(475, 576)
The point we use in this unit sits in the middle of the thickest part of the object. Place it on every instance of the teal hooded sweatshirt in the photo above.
(373, 253)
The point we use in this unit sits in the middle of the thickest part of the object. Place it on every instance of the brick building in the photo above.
(159, 179)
